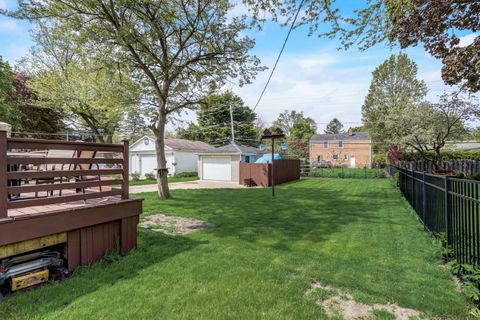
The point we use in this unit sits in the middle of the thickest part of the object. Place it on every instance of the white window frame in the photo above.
(325, 145)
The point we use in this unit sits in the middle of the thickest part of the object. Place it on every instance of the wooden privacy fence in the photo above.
(446, 205)
(466, 166)
(259, 174)
(45, 172)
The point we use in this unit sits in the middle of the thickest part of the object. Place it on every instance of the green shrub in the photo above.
(379, 160)
(476, 176)
(355, 173)
(135, 176)
(150, 176)
(186, 174)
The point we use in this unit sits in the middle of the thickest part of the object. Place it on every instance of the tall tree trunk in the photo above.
(162, 171)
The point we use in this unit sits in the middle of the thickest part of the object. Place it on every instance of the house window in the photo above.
(325, 145)
(247, 159)
(345, 157)
(319, 158)
(340, 144)
(335, 157)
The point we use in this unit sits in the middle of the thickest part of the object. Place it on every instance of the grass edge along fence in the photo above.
(347, 173)
(446, 205)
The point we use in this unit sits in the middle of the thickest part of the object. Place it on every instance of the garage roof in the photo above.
(176, 144)
(234, 148)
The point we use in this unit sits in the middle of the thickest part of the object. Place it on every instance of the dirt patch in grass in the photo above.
(338, 303)
(173, 225)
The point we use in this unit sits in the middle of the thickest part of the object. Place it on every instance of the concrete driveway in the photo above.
(197, 184)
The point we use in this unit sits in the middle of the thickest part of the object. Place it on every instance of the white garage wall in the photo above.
(234, 165)
(186, 161)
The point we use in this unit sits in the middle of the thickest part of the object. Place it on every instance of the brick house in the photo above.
(349, 149)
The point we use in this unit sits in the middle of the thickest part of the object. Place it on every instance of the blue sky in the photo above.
(312, 76)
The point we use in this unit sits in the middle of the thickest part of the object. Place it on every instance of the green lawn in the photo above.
(259, 260)
(154, 181)
(348, 173)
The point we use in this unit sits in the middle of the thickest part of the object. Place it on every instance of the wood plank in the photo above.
(3, 175)
(27, 227)
(62, 199)
(46, 160)
(16, 175)
(62, 186)
(73, 249)
(42, 144)
(125, 154)
(32, 244)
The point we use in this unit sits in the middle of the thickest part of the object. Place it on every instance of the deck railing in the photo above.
(32, 175)
(446, 205)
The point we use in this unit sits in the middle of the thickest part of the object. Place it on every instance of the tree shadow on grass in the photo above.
(153, 248)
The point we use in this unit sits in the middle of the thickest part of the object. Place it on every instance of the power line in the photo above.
(279, 55)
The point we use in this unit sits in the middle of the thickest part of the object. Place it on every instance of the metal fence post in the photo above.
(412, 195)
(424, 200)
(448, 209)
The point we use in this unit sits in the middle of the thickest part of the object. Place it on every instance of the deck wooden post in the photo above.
(3, 175)
(126, 159)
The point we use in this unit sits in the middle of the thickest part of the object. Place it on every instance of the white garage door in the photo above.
(217, 168)
(148, 163)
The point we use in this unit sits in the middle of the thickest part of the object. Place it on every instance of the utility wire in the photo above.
(279, 54)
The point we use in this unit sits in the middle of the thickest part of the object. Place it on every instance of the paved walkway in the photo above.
(197, 184)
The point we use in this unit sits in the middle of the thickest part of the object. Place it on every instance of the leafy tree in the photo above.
(179, 50)
(295, 125)
(334, 126)
(43, 122)
(397, 22)
(298, 148)
(8, 112)
(431, 125)
(66, 77)
(359, 129)
(394, 87)
(214, 125)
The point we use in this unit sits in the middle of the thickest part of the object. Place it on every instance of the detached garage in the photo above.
(181, 155)
(223, 163)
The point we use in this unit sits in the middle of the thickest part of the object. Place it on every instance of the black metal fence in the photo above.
(446, 205)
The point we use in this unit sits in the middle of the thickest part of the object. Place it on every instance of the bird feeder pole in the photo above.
(278, 134)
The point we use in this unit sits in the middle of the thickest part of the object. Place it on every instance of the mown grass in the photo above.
(347, 173)
(260, 258)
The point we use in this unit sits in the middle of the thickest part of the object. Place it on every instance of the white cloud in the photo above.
(9, 25)
(317, 84)
(467, 40)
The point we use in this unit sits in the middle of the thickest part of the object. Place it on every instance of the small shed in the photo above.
(223, 163)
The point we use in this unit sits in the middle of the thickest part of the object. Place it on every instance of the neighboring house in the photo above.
(223, 163)
(462, 145)
(349, 149)
(181, 155)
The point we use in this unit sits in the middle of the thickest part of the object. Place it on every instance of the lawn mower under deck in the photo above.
(31, 269)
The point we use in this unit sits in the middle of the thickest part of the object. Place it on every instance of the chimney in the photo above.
(350, 132)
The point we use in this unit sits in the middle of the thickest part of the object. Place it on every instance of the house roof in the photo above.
(463, 145)
(340, 136)
(180, 144)
(234, 148)
(183, 144)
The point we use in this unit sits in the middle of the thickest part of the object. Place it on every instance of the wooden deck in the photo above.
(83, 194)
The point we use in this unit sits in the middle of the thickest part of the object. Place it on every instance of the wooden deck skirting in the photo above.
(86, 200)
